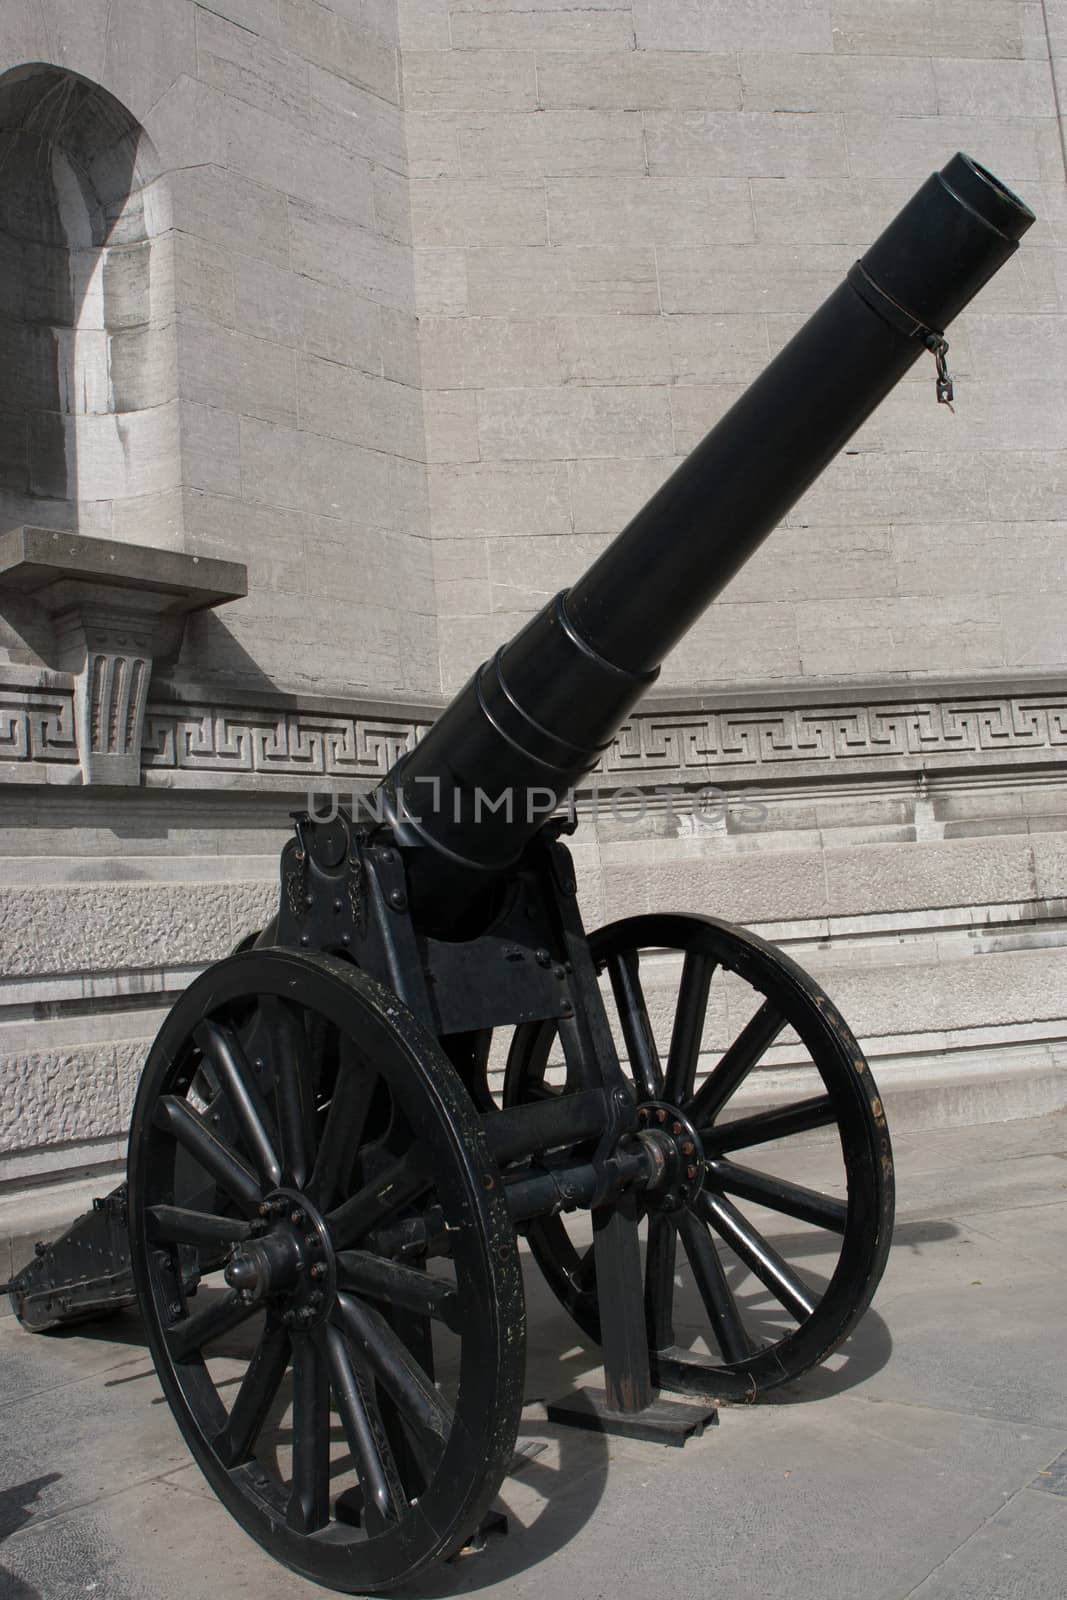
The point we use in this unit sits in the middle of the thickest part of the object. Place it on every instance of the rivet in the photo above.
(688, 1147)
(643, 1114)
(690, 1173)
(676, 1127)
(296, 1217)
(338, 905)
(661, 1116)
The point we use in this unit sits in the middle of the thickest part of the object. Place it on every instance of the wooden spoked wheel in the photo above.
(326, 1268)
(763, 1255)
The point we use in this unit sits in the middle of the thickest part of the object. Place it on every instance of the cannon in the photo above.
(324, 1198)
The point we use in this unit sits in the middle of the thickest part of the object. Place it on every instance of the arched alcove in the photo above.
(88, 388)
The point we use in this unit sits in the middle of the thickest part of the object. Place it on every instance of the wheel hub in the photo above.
(677, 1154)
(288, 1263)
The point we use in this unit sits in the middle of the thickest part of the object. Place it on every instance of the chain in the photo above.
(937, 344)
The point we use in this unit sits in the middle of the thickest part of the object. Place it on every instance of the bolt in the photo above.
(661, 1116)
(175, 1309)
(688, 1147)
(488, 1181)
(264, 1210)
(676, 1127)
(558, 972)
(338, 905)
(542, 957)
(318, 1270)
(643, 1114)
(300, 856)
(311, 1240)
(288, 1318)
(565, 1008)
(346, 938)
(304, 940)
(297, 1217)
(315, 1298)
(398, 899)
(309, 899)
(690, 1173)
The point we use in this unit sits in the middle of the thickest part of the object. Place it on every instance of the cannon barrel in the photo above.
(537, 716)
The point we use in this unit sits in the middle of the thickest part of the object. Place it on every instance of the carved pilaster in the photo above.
(115, 610)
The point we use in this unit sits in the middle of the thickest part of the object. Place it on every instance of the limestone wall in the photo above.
(449, 287)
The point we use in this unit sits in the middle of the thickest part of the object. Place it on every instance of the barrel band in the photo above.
(887, 308)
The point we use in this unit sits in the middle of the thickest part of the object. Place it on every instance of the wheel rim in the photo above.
(298, 1139)
(764, 1314)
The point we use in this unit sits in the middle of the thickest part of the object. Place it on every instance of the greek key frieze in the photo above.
(37, 726)
(287, 744)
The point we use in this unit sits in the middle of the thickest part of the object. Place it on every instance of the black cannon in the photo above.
(323, 1196)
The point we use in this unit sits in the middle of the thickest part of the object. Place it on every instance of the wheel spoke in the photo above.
(345, 1117)
(388, 1358)
(401, 1287)
(777, 1194)
(173, 1116)
(397, 1186)
(762, 1260)
(188, 1337)
(623, 971)
(378, 1476)
(714, 1290)
(659, 1282)
(176, 1225)
(584, 1274)
(764, 1126)
(292, 1092)
(688, 1030)
(309, 1493)
(255, 1397)
(221, 1047)
(736, 1064)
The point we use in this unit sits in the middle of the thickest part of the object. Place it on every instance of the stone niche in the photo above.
(106, 613)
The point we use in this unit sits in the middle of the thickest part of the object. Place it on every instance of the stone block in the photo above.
(104, 927)
(696, 408)
(928, 28)
(432, 142)
(484, 25)
(345, 256)
(767, 886)
(1050, 864)
(1027, 484)
(552, 144)
(737, 645)
(392, 212)
(622, 80)
(665, 212)
(1019, 347)
(357, 118)
(500, 498)
(471, 212)
(59, 1096)
(809, 563)
(146, 50)
(763, 144)
(271, 543)
(1033, 629)
(986, 557)
(343, 46)
(221, 367)
(132, 454)
(240, 62)
(746, 278)
(441, 282)
(1000, 88)
(821, 211)
(557, 424)
(986, 990)
(372, 566)
(469, 80)
(488, 352)
(464, 597)
(219, 207)
(797, 26)
(900, 487)
(460, 560)
(344, 403)
(863, 638)
(722, 349)
(202, 274)
(874, 878)
(337, 323)
(423, 24)
(527, 282)
(1016, 149)
(468, 641)
(210, 449)
(451, 425)
(327, 477)
(614, 349)
(902, 85)
(257, 16)
(266, 300)
(526, 571)
(606, 494)
(400, 347)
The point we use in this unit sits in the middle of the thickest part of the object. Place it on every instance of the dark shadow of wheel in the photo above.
(785, 1222)
(326, 1268)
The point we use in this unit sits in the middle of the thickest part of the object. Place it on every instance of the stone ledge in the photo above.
(112, 610)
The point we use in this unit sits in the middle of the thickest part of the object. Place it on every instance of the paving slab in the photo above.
(924, 1461)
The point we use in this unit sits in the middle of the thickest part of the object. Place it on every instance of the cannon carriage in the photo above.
(324, 1195)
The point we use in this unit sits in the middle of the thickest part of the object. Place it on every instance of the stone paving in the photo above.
(928, 1461)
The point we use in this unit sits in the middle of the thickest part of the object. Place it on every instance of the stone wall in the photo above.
(452, 290)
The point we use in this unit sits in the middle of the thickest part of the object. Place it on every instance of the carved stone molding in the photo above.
(114, 609)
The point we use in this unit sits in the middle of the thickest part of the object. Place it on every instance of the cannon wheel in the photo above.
(295, 1132)
(788, 1319)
